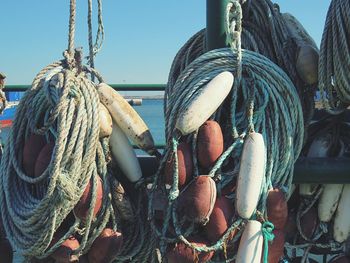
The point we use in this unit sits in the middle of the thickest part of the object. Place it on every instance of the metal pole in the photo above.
(307, 170)
(322, 170)
(216, 24)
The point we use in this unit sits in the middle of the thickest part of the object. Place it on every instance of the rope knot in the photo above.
(174, 193)
(266, 229)
(68, 59)
(66, 188)
(234, 24)
(73, 60)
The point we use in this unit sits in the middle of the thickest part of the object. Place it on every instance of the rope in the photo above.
(274, 93)
(95, 48)
(264, 30)
(267, 229)
(62, 105)
(71, 32)
(335, 131)
(139, 244)
(70, 119)
(263, 99)
(334, 81)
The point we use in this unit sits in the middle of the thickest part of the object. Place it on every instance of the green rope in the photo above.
(263, 99)
(264, 30)
(267, 228)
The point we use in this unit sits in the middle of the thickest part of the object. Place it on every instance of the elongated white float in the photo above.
(329, 201)
(251, 174)
(251, 244)
(307, 53)
(127, 118)
(207, 102)
(297, 29)
(105, 122)
(341, 227)
(124, 154)
(331, 192)
(318, 148)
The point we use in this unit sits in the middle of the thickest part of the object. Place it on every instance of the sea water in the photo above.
(151, 112)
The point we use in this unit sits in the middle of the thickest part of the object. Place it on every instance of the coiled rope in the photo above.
(61, 105)
(263, 99)
(265, 31)
(334, 64)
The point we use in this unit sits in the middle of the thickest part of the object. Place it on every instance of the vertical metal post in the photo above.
(216, 20)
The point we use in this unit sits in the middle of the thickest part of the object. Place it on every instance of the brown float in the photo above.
(32, 147)
(197, 201)
(64, 254)
(106, 247)
(276, 248)
(220, 219)
(210, 143)
(184, 254)
(277, 208)
(185, 165)
(81, 210)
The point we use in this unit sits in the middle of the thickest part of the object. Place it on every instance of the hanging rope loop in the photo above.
(62, 108)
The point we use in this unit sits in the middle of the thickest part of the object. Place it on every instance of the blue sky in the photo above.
(142, 37)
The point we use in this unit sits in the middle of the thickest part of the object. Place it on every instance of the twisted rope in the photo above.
(95, 48)
(267, 229)
(61, 105)
(334, 64)
(68, 118)
(264, 30)
(263, 99)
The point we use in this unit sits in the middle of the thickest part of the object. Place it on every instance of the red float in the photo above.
(64, 253)
(184, 254)
(220, 219)
(197, 201)
(106, 247)
(44, 159)
(276, 247)
(210, 143)
(31, 150)
(185, 165)
(81, 210)
(277, 208)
